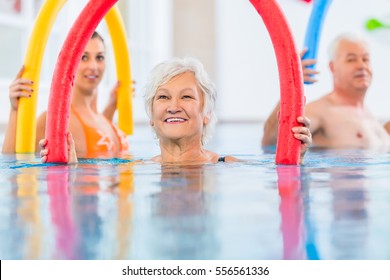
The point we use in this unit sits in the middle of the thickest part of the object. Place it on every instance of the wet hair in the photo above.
(165, 71)
(349, 37)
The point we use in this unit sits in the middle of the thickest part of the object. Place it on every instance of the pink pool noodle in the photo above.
(63, 78)
(291, 212)
(290, 79)
(60, 199)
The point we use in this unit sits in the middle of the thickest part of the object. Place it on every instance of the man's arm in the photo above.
(387, 127)
(313, 113)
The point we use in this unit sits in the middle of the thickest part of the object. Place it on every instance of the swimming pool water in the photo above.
(335, 206)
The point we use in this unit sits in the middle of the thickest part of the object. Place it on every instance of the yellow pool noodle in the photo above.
(122, 60)
(26, 122)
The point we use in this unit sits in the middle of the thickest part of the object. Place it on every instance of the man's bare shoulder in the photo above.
(319, 105)
(322, 101)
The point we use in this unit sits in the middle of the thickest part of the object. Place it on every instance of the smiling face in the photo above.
(351, 67)
(91, 67)
(177, 109)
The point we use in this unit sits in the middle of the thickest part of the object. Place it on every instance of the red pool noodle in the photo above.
(290, 79)
(291, 212)
(57, 120)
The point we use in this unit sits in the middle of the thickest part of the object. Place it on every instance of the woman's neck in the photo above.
(85, 102)
(183, 152)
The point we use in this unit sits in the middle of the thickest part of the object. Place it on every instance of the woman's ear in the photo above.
(151, 123)
(206, 119)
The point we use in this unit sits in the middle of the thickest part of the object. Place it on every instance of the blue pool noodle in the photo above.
(314, 27)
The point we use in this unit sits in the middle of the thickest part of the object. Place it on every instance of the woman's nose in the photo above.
(174, 106)
(92, 64)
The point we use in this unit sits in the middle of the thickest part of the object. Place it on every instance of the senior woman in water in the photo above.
(180, 101)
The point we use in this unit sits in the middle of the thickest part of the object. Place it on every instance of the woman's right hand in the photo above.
(20, 87)
(72, 156)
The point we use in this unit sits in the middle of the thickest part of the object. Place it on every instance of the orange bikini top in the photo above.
(98, 142)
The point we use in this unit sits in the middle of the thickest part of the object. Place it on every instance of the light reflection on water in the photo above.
(333, 207)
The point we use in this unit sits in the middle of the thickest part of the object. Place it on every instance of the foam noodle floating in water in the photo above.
(63, 78)
(122, 59)
(290, 79)
(26, 123)
(314, 28)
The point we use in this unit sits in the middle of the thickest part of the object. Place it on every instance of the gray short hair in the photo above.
(349, 37)
(165, 71)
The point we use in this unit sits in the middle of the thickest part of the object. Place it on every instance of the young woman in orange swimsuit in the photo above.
(93, 132)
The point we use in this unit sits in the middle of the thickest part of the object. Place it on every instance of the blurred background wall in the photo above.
(228, 36)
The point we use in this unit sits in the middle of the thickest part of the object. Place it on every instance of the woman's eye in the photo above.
(187, 97)
(162, 97)
(100, 57)
(84, 58)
